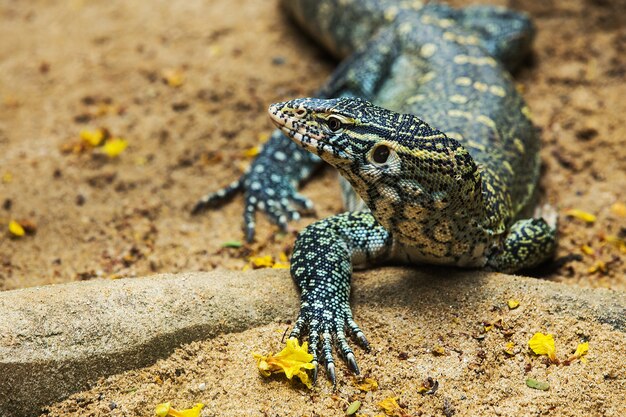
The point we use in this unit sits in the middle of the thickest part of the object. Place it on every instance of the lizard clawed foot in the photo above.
(323, 333)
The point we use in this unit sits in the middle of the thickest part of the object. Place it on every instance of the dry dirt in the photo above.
(67, 66)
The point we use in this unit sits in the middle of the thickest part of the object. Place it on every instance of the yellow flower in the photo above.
(292, 361)
(581, 215)
(93, 137)
(165, 410)
(173, 77)
(543, 344)
(368, 384)
(262, 261)
(16, 229)
(389, 405)
(509, 349)
(581, 351)
(587, 250)
(513, 304)
(115, 146)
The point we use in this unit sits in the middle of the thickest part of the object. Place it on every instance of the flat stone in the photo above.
(57, 340)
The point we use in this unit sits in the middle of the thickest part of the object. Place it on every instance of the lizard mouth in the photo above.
(300, 130)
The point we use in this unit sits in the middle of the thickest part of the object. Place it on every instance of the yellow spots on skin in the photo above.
(497, 90)
(460, 113)
(464, 81)
(405, 28)
(526, 112)
(428, 50)
(416, 98)
(432, 20)
(445, 23)
(459, 99)
(455, 136)
(467, 59)
(508, 166)
(476, 145)
(415, 212)
(460, 39)
(429, 76)
(486, 121)
(442, 232)
(391, 13)
(482, 87)
(459, 248)
(519, 145)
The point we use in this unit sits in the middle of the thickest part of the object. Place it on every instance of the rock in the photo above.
(57, 340)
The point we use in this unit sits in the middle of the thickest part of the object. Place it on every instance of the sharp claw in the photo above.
(330, 370)
(197, 208)
(249, 234)
(364, 343)
(352, 363)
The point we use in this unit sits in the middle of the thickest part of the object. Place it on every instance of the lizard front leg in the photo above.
(321, 266)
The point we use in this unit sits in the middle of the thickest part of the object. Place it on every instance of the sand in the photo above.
(76, 65)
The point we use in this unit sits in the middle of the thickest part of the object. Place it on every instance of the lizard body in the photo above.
(423, 121)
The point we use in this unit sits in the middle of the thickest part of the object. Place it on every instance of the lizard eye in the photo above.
(334, 124)
(381, 153)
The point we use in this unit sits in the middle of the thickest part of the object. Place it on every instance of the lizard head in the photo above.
(391, 159)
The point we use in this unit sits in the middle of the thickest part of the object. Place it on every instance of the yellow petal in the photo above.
(293, 360)
(280, 265)
(190, 412)
(262, 261)
(16, 229)
(619, 209)
(7, 177)
(389, 405)
(93, 137)
(543, 344)
(174, 77)
(513, 304)
(368, 384)
(115, 146)
(599, 266)
(581, 349)
(161, 410)
(581, 215)
(509, 348)
(587, 250)
(617, 242)
(283, 257)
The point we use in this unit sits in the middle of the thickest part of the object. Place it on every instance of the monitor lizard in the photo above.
(436, 148)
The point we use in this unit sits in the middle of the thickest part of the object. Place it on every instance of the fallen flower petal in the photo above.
(293, 360)
(115, 146)
(16, 229)
(581, 215)
(368, 384)
(389, 405)
(543, 344)
(93, 137)
(513, 304)
(165, 410)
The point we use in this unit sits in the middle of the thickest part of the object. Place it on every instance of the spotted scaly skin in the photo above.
(423, 121)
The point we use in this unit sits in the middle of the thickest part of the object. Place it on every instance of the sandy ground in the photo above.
(67, 66)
